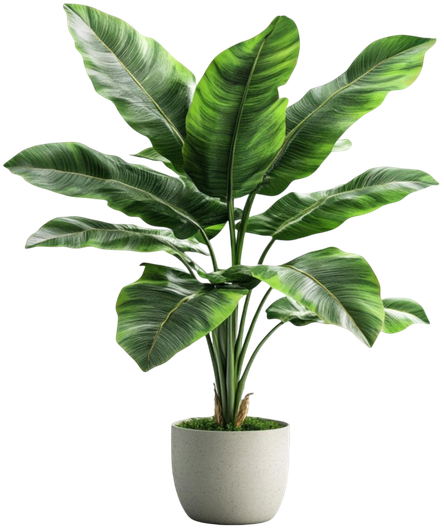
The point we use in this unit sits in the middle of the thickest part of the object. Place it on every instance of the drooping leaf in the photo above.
(236, 122)
(400, 313)
(340, 288)
(299, 215)
(317, 121)
(78, 171)
(79, 232)
(151, 90)
(166, 310)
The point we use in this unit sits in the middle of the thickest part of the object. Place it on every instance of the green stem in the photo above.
(214, 362)
(231, 375)
(253, 322)
(243, 226)
(241, 384)
(240, 335)
(265, 252)
(232, 230)
(210, 248)
(221, 374)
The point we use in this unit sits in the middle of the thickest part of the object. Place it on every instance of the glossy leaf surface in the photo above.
(166, 310)
(288, 310)
(79, 232)
(151, 90)
(299, 215)
(236, 122)
(78, 171)
(400, 313)
(340, 288)
(318, 120)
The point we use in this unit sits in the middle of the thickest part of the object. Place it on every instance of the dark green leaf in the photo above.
(288, 310)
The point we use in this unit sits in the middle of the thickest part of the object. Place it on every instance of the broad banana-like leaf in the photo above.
(79, 232)
(340, 288)
(236, 122)
(317, 121)
(78, 171)
(299, 215)
(166, 310)
(288, 310)
(400, 313)
(151, 90)
(211, 231)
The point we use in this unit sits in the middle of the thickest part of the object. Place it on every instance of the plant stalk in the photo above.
(265, 252)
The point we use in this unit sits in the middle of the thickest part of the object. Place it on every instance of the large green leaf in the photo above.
(340, 288)
(79, 232)
(317, 121)
(151, 90)
(299, 215)
(78, 171)
(400, 313)
(236, 122)
(166, 310)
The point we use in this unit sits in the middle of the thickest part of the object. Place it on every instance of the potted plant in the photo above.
(229, 137)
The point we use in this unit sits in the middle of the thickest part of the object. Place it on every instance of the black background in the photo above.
(363, 420)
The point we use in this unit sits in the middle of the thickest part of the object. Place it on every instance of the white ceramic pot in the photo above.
(236, 477)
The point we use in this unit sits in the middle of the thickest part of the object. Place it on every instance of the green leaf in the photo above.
(341, 145)
(288, 310)
(151, 154)
(299, 215)
(211, 231)
(317, 121)
(236, 122)
(151, 90)
(166, 310)
(400, 313)
(78, 171)
(79, 232)
(340, 288)
(239, 275)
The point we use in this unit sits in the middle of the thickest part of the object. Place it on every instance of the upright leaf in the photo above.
(151, 90)
(236, 122)
(166, 310)
(317, 121)
(78, 171)
(299, 215)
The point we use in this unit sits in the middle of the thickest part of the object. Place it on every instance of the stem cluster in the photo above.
(227, 345)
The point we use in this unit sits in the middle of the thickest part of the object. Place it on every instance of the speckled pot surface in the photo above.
(236, 477)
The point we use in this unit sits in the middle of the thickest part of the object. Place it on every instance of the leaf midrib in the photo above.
(159, 330)
(175, 209)
(290, 135)
(162, 239)
(335, 299)
(166, 118)
(318, 203)
(230, 176)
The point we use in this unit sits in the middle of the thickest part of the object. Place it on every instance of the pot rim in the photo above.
(284, 424)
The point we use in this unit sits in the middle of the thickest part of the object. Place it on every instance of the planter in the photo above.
(232, 477)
